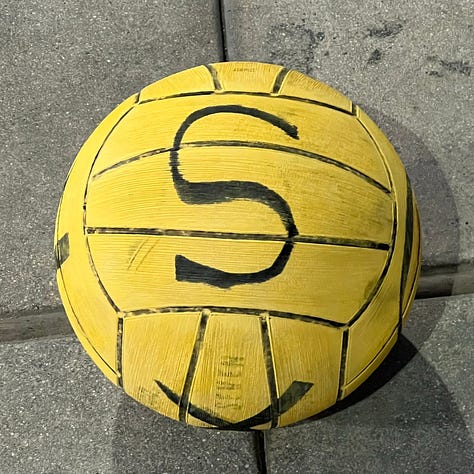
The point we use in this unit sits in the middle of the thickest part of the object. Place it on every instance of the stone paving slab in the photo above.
(63, 67)
(415, 414)
(60, 415)
(409, 66)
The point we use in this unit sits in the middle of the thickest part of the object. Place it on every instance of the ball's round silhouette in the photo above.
(237, 246)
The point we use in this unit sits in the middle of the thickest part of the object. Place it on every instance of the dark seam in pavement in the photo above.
(222, 30)
(260, 451)
(34, 326)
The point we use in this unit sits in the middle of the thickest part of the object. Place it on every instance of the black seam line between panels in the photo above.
(119, 353)
(413, 286)
(408, 247)
(270, 369)
(307, 239)
(232, 310)
(249, 144)
(215, 77)
(251, 94)
(279, 80)
(342, 366)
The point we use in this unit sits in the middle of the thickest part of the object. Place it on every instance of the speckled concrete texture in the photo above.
(409, 66)
(63, 67)
(57, 409)
(60, 415)
(415, 414)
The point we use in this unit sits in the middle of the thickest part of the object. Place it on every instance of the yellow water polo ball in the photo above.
(237, 246)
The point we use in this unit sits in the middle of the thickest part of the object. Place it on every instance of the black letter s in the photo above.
(226, 191)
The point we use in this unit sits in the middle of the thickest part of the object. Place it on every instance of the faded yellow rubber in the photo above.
(237, 246)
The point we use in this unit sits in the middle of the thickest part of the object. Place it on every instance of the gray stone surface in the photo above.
(63, 67)
(409, 66)
(415, 414)
(60, 415)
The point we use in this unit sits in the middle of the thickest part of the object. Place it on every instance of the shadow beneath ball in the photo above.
(418, 329)
(439, 219)
(399, 421)
(402, 419)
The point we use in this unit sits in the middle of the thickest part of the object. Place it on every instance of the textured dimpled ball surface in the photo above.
(238, 246)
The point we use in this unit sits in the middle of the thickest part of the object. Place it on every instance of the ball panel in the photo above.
(142, 194)
(319, 131)
(247, 76)
(87, 300)
(299, 85)
(307, 284)
(306, 353)
(399, 178)
(383, 315)
(367, 372)
(82, 296)
(106, 367)
(194, 80)
(415, 269)
(375, 324)
(332, 207)
(149, 342)
(370, 332)
(230, 379)
(153, 126)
